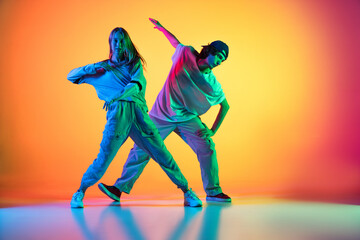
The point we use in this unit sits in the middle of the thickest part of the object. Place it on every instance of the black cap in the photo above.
(221, 47)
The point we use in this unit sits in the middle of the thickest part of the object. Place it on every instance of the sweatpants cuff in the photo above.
(123, 189)
(213, 192)
(184, 189)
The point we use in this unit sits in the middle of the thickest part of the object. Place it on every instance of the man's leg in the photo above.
(148, 138)
(205, 151)
(138, 158)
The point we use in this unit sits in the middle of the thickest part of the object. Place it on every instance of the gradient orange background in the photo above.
(291, 79)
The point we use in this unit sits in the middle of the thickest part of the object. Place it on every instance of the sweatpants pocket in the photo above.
(144, 123)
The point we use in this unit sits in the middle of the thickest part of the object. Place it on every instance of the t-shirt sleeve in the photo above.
(138, 77)
(217, 95)
(178, 51)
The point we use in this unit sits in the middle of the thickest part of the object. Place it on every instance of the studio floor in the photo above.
(245, 218)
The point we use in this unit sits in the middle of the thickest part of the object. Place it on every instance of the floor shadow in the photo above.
(122, 221)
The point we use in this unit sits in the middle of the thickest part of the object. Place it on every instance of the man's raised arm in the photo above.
(172, 39)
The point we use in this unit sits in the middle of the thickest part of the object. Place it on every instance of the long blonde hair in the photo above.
(131, 54)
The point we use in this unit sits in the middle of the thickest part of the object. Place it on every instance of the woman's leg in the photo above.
(110, 144)
(115, 134)
(138, 158)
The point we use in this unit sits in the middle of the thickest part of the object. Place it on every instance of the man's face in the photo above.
(117, 44)
(215, 60)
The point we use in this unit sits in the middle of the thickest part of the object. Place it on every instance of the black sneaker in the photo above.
(111, 191)
(221, 197)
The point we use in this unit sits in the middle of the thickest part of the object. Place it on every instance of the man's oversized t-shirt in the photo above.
(187, 93)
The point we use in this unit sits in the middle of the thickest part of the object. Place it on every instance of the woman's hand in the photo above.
(99, 68)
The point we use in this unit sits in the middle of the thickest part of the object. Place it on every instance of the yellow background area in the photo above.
(291, 80)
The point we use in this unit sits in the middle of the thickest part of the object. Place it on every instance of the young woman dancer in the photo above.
(120, 82)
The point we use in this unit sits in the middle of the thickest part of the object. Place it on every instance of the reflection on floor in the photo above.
(254, 218)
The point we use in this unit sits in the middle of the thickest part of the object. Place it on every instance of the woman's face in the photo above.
(117, 44)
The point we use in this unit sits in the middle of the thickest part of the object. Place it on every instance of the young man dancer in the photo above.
(189, 91)
(120, 82)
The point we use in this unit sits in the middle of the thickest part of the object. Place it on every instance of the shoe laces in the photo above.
(192, 194)
(78, 195)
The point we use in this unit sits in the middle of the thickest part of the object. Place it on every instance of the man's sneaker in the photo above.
(221, 197)
(111, 191)
(191, 200)
(77, 200)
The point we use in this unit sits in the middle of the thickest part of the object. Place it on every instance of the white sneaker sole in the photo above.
(187, 204)
(76, 204)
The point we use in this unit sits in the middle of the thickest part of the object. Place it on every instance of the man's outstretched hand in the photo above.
(156, 23)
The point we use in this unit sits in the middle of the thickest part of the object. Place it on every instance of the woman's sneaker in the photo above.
(191, 200)
(221, 197)
(111, 191)
(77, 200)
